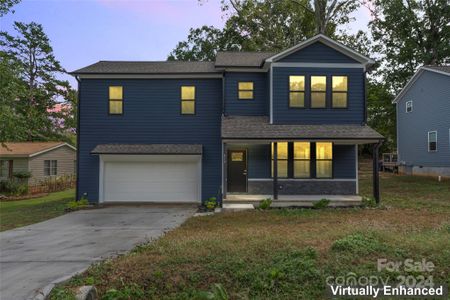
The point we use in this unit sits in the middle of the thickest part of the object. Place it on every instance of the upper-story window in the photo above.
(340, 89)
(324, 160)
(188, 100)
(302, 160)
(318, 91)
(245, 90)
(297, 91)
(115, 100)
(432, 141)
(282, 158)
(409, 106)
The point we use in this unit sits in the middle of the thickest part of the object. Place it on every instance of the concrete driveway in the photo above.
(34, 256)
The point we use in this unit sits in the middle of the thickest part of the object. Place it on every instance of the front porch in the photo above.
(293, 200)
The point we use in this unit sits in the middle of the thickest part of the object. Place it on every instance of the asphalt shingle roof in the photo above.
(445, 68)
(243, 127)
(147, 149)
(25, 149)
(147, 67)
(241, 59)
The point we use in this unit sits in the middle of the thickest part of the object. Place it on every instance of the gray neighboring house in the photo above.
(42, 159)
(423, 123)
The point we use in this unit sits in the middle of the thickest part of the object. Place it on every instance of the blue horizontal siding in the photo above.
(282, 114)
(318, 53)
(344, 161)
(151, 115)
(258, 106)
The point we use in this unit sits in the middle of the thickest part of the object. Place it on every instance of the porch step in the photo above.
(237, 206)
(296, 200)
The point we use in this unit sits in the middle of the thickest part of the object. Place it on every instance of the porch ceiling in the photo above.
(259, 128)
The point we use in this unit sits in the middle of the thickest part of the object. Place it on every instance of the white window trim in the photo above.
(406, 106)
(429, 141)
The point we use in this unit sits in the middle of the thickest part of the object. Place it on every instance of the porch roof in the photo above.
(258, 127)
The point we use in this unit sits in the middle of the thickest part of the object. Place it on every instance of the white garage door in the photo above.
(158, 178)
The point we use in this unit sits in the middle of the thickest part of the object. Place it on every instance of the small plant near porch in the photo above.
(211, 203)
(265, 203)
(322, 203)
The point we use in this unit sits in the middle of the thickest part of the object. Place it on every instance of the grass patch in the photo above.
(24, 212)
(285, 253)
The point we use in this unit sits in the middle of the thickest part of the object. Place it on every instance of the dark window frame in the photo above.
(297, 92)
(52, 168)
(431, 143)
(186, 100)
(339, 92)
(279, 160)
(115, 100)
(311, 92)
(327, 159)
(301, 159)
(410, 107)
(246, 90)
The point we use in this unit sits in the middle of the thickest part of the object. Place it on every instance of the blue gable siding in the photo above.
(430, 95)
(258, 106)
(318, 53)
(282, 114)
(151, 115)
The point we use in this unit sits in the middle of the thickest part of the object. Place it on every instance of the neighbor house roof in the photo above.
(245, 127)
(443, 70)
(241, 59)
(147, 67)
(147, 149)
(29, 149)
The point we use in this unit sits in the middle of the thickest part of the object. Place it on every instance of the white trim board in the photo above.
(52, 148)
(317, 65)
(149, 76)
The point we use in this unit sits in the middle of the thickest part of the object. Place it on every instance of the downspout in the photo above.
(77, 190)
(376, 173)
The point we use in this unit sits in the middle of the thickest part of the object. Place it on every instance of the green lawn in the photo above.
(284, 253)
(24, 212)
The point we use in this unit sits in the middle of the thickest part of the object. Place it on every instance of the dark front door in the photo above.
(237, 171)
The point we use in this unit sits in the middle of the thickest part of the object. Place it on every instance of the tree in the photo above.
(30, 52)
(6, 5)
(410, 34)
(252, 25)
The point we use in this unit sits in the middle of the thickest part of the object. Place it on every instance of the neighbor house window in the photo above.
(302, 161)
(318, 91)
(50, 167)
(340, 88)
(4, 168)
(324, 160)
(188, 100)
(115, 100)
(432, 141)
(282, 157)
(297, 91)
(409, 106)
(245, 90)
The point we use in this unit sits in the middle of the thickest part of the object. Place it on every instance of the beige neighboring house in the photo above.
(42, 159)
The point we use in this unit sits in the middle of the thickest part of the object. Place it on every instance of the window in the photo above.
(282, 149)
(432, 141)
(50, 167)
(188, 100)
(297, 91)
(324, 160)
(340, 88)
(302, 158)
(318, 91)
(409, 106)
(245, 90)
(115, 100)
(4, 168)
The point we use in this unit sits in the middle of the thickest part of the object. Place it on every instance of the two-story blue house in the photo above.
(423, 123)
(249, 124)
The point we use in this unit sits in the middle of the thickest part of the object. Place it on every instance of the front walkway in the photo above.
(34, 256)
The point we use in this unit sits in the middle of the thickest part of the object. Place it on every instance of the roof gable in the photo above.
(443, 70)
(30, 149)
(336, 46)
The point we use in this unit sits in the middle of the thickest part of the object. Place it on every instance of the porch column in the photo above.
(376, 175)
(275, 171)
(224, 171)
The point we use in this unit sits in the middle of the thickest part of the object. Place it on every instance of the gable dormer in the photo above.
(318, 81)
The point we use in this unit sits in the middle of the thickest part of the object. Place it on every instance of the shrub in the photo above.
(211, 203)
(322, 203)
(13, 187)
(83, 202)
(368, 202)
(265, 203)
(22, 175)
